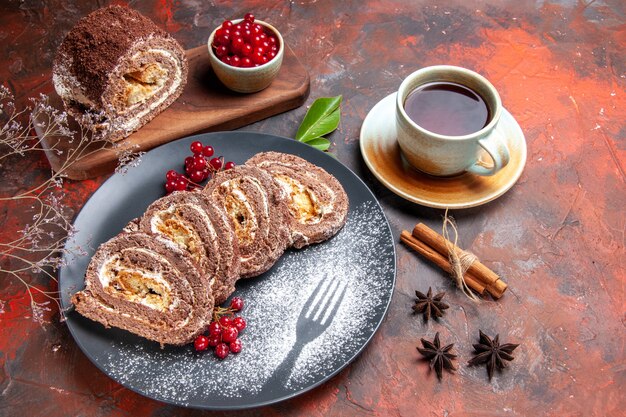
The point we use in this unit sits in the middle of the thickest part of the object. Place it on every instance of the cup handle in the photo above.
(498, 152)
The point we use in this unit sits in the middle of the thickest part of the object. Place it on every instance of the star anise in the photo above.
(429, 305)
(492, 353)
(440, 357)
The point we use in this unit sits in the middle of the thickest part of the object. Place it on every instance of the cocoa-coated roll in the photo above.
(119, 67)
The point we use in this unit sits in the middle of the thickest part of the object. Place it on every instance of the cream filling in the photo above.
(157, 222)
(133, 122)
(304, 204)
(232, 188)
(112, 269)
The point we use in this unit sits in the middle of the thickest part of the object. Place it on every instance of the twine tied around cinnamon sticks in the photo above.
(465, 268)
(460, 261)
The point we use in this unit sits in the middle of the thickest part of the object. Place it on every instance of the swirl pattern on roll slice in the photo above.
(196, 225)
(147, 286)
(318, 204)
(257, 210)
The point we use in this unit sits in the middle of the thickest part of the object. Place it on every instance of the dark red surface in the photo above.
(557, 236)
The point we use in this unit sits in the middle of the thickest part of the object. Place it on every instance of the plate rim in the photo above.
(291, 395)
(499, 192)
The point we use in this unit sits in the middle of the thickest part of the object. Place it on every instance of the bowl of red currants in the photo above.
(246, 54)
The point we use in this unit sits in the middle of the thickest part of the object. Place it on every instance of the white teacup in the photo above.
(445, 155)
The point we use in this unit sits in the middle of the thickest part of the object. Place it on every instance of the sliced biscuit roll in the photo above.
(257, 210)
(147, 286)
(120, 67)
(318, 204)
(195, 224)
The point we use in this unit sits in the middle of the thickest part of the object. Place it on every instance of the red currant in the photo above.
(239, 323)
(227, 24)
(215, 329)
(170, 186)
(249, 17)
(222, 350)
(199, 163)
(247, 35)
(237, 302)
(229, 334)
(171, 175)
(246, 62)
(207, 151)
(221, 51)
(235, 61)
(201, 343)
(181, 184)
(214, 340)
(238, 44)
(223, 40)
(246, 49)
(196, 147)
(197, 176)
(235, 346)
(257, 57)
(216, 163)
(226, 321)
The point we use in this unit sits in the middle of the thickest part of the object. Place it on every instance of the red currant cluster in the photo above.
(223, 331)
(245, 44)
(198, 167)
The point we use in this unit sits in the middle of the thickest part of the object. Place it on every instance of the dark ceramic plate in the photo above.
(277, 361)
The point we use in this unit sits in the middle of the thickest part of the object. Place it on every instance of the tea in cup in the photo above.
(445, 117)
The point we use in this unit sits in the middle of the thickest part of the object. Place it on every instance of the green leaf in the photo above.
(322, 118)
(318, 143)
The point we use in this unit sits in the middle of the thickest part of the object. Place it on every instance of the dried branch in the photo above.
(39, 248)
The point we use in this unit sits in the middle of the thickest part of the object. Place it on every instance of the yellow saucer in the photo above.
(381, 153)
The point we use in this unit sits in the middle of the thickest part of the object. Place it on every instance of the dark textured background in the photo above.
(557, 237)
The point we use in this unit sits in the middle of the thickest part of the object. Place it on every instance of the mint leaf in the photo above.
(322, 118)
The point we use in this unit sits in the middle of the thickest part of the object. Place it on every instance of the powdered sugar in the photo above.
(361, 256)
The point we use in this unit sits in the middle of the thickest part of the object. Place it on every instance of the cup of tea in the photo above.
(445, 117)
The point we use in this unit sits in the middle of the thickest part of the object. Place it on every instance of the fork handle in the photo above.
(286, 366)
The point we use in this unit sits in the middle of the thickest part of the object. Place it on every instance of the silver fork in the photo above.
(317, 314)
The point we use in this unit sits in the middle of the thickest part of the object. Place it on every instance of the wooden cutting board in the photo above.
(204, 106)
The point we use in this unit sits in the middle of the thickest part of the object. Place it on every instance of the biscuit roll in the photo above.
(318, 204)
(197, 226)
(118, 65)
(147, 286)
(257, 210)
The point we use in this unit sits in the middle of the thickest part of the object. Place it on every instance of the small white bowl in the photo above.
(251, 79)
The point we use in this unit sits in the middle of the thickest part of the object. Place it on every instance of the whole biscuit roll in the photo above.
(119, 67)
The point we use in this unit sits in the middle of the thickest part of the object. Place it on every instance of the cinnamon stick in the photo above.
(438, 259)
(494, 285)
